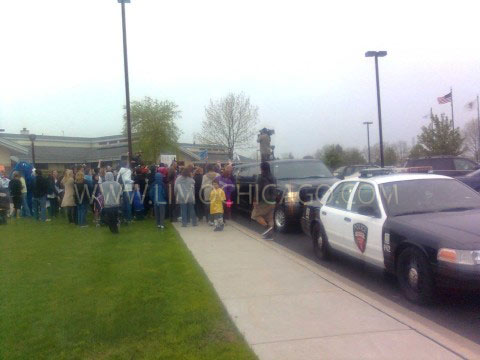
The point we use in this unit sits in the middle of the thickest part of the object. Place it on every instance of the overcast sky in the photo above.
(302, 62)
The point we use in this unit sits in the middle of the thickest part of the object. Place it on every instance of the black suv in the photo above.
(298, 181)
(444, 165)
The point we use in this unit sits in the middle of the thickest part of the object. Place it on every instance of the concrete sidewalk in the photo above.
(287, 311)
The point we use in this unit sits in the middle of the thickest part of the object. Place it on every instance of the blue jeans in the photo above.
(25, 209)
(82, 214)
(160, 213)
(40, 208)
(188, 213)
(127, 205)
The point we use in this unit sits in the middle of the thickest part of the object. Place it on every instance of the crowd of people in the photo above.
(118, 196)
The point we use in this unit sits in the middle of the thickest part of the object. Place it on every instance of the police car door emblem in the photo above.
(360, 234)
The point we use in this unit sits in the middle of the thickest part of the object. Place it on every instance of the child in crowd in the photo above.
(217, 198)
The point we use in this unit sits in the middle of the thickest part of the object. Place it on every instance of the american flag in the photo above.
(445, 99)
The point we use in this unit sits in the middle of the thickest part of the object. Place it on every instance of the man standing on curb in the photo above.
(264, 207)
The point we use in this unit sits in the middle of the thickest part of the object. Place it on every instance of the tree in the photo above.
(230, 121)
(353, 156)
(439, 138)
(331, 155)
(390, 156)
(153, 127)
(416, 152)
(402, 150)
(472, 138)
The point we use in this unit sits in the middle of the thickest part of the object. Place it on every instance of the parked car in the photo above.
(424, 229)
(351, 170)
(444, 165)
(298, 181)
(472, 180)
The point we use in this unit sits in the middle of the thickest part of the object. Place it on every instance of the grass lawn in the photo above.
(83, 293)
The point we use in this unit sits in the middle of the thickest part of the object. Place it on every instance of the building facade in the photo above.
(61, 152)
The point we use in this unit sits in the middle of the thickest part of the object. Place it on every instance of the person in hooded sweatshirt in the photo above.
(185, 197)
(40, 191)
(207, 187)
(111, 191)
(158, 196)
(124, 177)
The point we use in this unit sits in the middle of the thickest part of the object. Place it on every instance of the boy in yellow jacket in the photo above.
(217, 198)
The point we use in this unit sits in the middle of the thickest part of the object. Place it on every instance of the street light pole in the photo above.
(376, 55)
(368, 123)
(127, 83)
(32, 138)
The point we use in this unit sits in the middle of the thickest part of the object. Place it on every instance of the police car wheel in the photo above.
(320, 242)
(280, 219)
(415, 276)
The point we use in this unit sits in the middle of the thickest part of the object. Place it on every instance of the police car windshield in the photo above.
(427, 196)
(300, 170)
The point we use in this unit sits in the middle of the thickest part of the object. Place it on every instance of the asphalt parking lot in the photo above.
(454, 310)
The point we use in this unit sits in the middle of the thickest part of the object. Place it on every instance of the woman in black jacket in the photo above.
(15, 188)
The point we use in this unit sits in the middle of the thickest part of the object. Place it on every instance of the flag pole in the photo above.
(451, 103)
(478, 126)
(431, 117)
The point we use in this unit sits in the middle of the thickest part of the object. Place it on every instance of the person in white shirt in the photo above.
(124, 177)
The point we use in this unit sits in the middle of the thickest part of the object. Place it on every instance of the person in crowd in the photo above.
(207, 187)
(158, 197)
(111, 191)
(171, 178)
(53, 193)
(185, 197)
(101, 175)
(25, 208)
(68, 201)
(263, 209)
(15, 188)
(227, 183)
(97, 200)
(124, 178)
(82, 198)
(198, 178)
(4, 180)
(40, 191)
(217, 199)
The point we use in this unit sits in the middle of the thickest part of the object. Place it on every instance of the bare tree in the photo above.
(472, 138)
(230, 121)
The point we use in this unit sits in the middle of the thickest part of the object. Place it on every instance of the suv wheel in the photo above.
(415, 276)
(320, 242)
(280, 219)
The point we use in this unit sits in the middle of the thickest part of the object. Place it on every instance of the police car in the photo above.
(425, 229)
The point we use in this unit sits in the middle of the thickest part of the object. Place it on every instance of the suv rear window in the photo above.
(300, 170)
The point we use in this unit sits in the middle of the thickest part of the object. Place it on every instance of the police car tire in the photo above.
(320, 250)
(413, 260)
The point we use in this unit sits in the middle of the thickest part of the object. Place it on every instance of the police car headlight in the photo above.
(292, 196)
(464, 257)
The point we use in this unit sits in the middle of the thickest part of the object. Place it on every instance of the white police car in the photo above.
(423, 228)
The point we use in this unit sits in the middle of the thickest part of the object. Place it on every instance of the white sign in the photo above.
(167, 159)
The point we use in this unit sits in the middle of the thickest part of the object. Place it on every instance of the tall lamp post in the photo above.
(368, 123)
(127, 83)
(32, 138)
(376, 55)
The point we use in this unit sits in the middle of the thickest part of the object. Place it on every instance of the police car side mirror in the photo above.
(341, 177)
